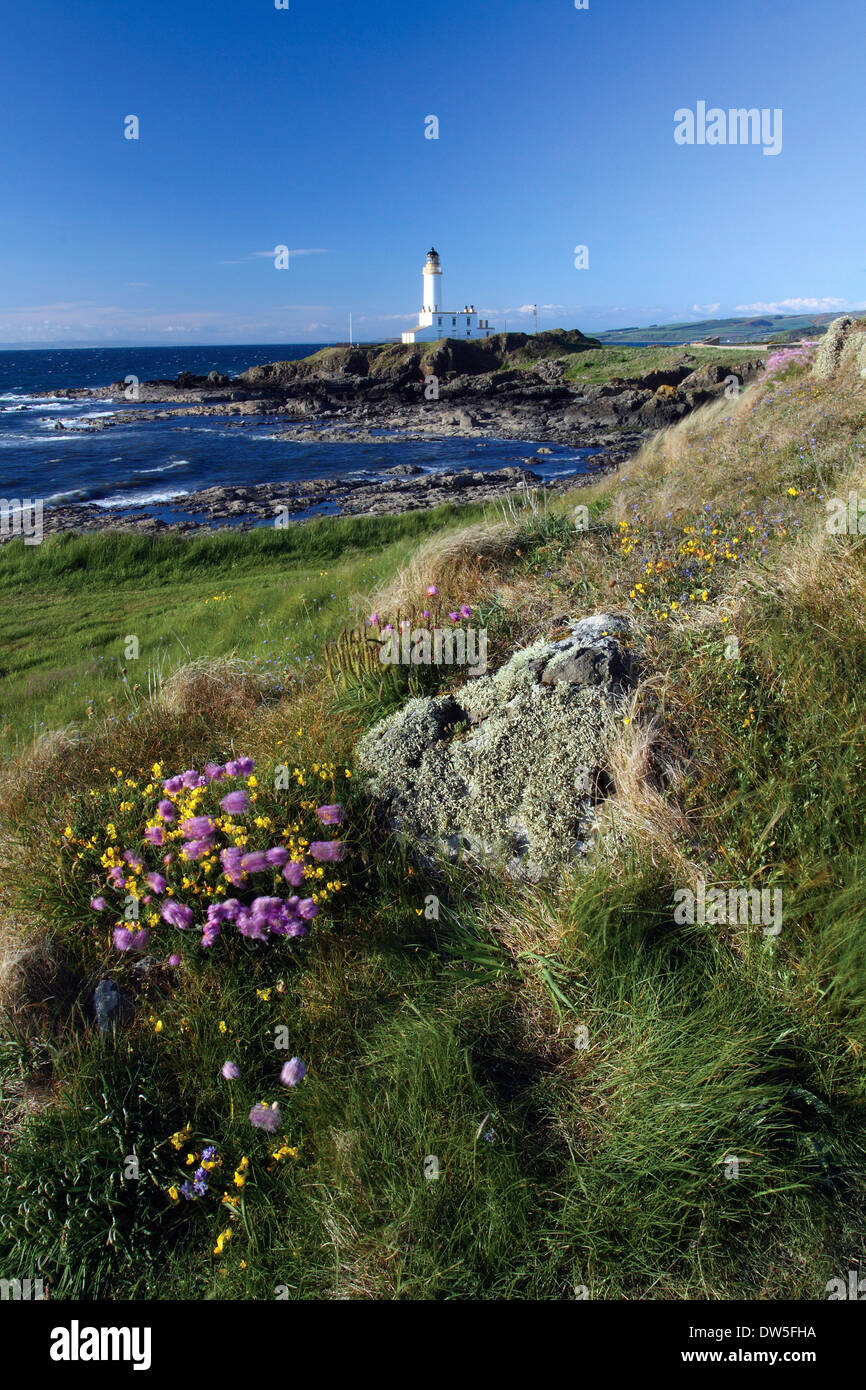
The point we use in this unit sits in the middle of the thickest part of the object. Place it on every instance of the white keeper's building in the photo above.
(434, 322)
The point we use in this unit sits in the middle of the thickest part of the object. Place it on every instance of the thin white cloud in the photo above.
(794, 306)
(386, 318)
(705, 308)
(300, 251)
(269, 255)
(109, 322)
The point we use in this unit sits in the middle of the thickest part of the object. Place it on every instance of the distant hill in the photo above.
(762, 329)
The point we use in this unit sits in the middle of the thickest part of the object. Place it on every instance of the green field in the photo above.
(271, 597)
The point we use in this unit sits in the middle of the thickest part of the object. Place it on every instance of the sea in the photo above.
(47, 450)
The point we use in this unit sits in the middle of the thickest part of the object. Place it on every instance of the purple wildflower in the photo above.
(196, 827)
(196, 849)
(210, 933)
(155, 835)
(165, 810)
(98, 904)
(293, 1071)
(255, 863)
(126, 940)
(293, 873)
(235, 803)
(241, 767)
(230, 1071)
(156, 882)
(328, 851)
(176, 914)
(277, 856)
(231, 862)
(267, 1117)
(330, 815)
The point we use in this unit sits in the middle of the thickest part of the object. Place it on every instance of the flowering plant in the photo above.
(783, 358)
(193, 850)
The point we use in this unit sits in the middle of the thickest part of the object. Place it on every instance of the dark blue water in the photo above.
(52, 369)
(46, 450)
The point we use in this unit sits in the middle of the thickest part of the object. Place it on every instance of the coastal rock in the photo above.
(830, 347)
(549, 370)
(854, 352)
(110, 1005)
(507, 771)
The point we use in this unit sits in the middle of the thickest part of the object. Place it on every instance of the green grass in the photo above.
(615, 1102)
(596, 366)
(271, 596)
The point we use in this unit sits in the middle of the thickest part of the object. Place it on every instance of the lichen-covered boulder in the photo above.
(830, 347)
(854, 352)
(509, 769)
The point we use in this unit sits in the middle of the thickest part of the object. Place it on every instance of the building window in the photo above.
(454, 323)
(440, 320)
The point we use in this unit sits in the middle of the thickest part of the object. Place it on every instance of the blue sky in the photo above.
(305, 127)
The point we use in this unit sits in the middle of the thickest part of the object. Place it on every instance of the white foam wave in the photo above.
(76, 495)
(139, 499)
(161, 468)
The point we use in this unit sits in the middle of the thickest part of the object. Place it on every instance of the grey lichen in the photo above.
(854, 352)
(508, 770)
(830, 347)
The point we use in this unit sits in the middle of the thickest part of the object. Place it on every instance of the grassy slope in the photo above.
(594, 367)
(604, 1165)
(270, 596)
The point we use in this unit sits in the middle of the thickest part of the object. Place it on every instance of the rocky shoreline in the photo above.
(405, 488)
(355, 395)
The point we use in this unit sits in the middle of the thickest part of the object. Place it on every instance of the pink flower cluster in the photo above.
(456, 615)
(778, 361)
(261, 917)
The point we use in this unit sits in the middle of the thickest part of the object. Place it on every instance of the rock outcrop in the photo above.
(507, 772)
(844, 344)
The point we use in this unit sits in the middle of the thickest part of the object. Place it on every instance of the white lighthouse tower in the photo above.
(432, 300)
(434, 322)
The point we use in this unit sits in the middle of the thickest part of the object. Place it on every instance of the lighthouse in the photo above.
(434, 322)
(431, 302)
